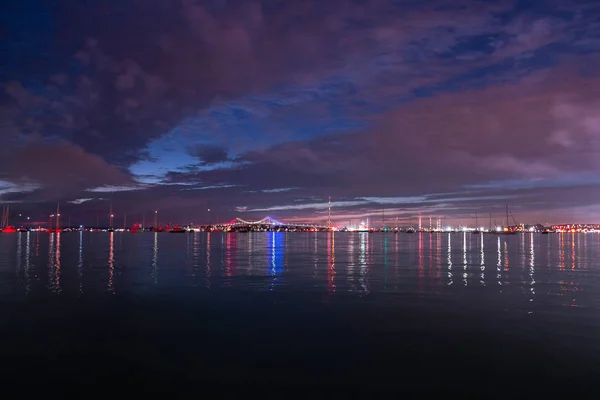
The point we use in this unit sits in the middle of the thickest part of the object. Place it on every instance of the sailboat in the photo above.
(57, 215)
(136, 228)
(476, 231)
(111, 229)
(6, 228)
(507, 230)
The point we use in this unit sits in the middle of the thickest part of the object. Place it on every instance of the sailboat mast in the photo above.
(57, 216)
(329, 212)
(507, 216)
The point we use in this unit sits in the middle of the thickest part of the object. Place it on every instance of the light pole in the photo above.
(209, 216)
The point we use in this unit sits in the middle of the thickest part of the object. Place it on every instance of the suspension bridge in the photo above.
(268, 223)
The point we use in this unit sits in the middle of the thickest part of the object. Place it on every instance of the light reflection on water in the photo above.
(531, 269)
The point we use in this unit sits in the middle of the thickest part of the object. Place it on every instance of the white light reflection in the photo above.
(362, 260)
(573, 251)
(51, 255)
(331, 268)
(57, 287)
(27, 265)
(315, 257)
(195, 255)
(465, 258)
(154, 272)
(111, 263)
(532, 268)
(250, 249)
(80, 263)
(450, 281)
(506, 262)
(482, 266)
(208, 271)
(396, 263)
(350, 275)
(499, 264)
(229, 248)
(523, 251)
(19, 253)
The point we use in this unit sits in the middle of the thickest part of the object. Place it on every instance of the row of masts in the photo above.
(5, 214)
(439, 221)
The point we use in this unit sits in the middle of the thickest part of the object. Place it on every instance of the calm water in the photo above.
(520, 299)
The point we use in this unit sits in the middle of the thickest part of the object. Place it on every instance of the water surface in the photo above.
(349, 301)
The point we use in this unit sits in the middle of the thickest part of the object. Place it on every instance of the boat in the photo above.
(361, 228)
(56, 229)
(410, 229)
(476, 231)
(4, 222)
(507, 230)
(176, 229)
(136, 228)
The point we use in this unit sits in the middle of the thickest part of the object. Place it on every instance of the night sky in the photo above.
(255, 108)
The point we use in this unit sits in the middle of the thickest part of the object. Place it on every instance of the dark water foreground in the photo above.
(136, 319)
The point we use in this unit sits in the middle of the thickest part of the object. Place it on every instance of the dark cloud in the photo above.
(59, 170)
(209, 154)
